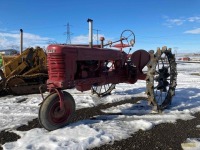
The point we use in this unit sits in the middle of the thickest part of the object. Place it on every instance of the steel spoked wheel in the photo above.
(51, 116)
(161, 78)
(103, 90)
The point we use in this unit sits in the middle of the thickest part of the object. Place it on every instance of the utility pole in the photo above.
(97, 35)
(175, 50)
(68, 40)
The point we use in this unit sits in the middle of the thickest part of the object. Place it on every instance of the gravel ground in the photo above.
(166, 136)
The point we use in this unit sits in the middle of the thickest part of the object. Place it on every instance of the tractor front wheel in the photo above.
(51, 116)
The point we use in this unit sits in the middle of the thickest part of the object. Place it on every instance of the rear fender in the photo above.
(140, 58)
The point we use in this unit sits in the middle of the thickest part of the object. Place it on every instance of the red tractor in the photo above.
(95, 67)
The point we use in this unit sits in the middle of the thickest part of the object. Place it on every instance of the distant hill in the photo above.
(9, 51)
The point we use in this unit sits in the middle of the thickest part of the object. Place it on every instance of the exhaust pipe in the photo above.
(90, 21)
(21, 41)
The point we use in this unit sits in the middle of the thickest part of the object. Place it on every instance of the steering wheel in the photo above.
(126, 35)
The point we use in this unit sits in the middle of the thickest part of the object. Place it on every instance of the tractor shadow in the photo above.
(96, 113)
(183, 100)
(129, 91)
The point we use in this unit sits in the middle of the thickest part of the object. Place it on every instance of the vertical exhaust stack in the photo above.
(21, 41)
(90, 21)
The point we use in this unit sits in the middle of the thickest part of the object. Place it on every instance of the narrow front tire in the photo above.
(51, 116)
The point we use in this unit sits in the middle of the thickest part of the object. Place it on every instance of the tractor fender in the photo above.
(140, 58)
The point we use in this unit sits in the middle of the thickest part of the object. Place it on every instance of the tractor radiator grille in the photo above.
(56, 67)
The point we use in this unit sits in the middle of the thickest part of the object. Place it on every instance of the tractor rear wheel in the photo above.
(51, 116)
(103, 90)
(161, 78)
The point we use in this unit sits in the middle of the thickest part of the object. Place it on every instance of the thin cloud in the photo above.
(169, 22)
(177, 22)
(12, 40)
(173, 22)
(83, 39)
(194, 19)
(194, 31)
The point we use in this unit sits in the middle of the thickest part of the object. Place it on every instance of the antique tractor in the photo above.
(95, 67)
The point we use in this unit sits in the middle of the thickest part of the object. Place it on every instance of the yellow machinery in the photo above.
(23, 74)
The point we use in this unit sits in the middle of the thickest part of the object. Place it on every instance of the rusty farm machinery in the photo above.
(24, 73)
(99, 68)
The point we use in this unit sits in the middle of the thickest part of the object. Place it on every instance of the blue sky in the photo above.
(174, 23)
